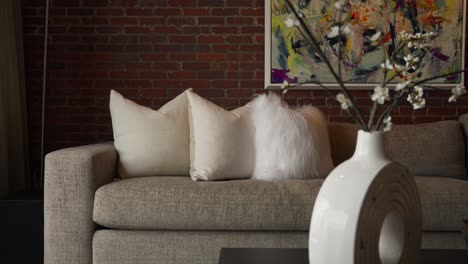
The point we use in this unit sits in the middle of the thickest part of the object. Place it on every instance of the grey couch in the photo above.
(91, 217)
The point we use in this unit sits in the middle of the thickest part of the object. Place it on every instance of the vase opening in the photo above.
(369, 144)
(392, 238)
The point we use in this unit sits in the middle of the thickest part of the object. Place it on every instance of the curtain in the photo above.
(14, 167)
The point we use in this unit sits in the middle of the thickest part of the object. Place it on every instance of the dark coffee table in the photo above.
(299, 256)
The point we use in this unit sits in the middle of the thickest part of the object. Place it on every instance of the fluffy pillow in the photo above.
(289, 143)
(151, 142)
(221, 142)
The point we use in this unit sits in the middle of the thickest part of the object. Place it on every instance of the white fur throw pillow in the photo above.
(289, 143)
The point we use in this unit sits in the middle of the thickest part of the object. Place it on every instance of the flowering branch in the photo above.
(315, 43)
(382, 84)
(439, 77)
(457, 91)
(340, 97)
(411, 50)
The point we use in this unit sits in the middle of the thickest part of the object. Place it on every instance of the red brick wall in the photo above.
(151, 50)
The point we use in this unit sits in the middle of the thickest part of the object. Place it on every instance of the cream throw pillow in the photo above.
(151, 142)
(221, 142)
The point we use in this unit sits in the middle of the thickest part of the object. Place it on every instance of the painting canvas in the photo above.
(288, 57)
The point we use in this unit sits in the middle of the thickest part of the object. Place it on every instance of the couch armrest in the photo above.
(71, 178)
(463, 119)
(464, 123)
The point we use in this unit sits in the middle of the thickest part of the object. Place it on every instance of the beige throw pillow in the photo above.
(221, 142)
(151, 142)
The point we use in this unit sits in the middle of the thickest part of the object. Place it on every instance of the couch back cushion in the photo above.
(342, 140)
(432, 149)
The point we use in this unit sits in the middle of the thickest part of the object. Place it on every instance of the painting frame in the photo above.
(351, 86)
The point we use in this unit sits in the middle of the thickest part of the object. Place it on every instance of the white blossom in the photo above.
(291, 21)
(380, 95)
(418, 91)
(338, 5)
(376, 36)
(419, 103)
(344, 101)
(416, 98)
(411, 61)
(418, 40)
(285, 84)
(458, 91)
(402, 85)
(404, 35)
(387, 124)
(334, 32)
(345, 30)
(452, 98)
(408, 57)
(387, 65)
(341, 4)
(391, 66)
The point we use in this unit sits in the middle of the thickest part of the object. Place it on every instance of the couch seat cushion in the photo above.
(178, 203)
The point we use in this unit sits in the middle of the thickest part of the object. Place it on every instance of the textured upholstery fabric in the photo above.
(183, 247)
(177, 203)
(71, 179)
(444, 203)
(151, 142)
(464, 123)
(175, 247)
(443, 240)
(432, 149)
(221, 141)
(73, 175)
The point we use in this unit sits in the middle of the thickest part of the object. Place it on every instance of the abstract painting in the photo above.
(289, 57)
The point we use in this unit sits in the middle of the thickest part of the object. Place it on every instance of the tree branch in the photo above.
(315, 43)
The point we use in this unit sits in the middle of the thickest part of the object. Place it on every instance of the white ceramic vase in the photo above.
(368, 210)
